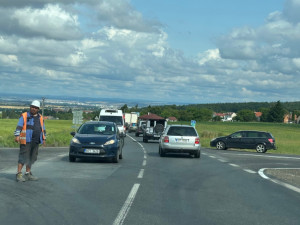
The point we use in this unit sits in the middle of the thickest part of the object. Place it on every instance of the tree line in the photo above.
(271, 112)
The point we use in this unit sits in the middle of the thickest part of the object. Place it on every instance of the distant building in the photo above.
(226, 117)
(258, 115)
(172, 119)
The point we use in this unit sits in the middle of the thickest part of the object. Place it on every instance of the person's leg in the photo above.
(21, 162)
(32, 157)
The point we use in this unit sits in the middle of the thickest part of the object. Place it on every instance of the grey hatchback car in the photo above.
(180, 139)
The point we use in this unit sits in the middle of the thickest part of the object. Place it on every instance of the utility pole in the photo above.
(43, 102)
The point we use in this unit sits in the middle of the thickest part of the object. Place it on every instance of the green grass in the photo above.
(58, 133)
(286, 135)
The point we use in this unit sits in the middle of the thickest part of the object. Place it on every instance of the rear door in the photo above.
(182, 136)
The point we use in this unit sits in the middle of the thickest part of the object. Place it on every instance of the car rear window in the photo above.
(116, 119)
(182, 131)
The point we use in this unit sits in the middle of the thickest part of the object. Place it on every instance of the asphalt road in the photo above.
(223, 187)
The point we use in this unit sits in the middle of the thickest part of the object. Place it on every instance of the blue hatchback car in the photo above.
(96, 139)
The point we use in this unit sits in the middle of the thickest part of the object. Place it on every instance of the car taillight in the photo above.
(271, 140)
(166, 139)
(197, 141)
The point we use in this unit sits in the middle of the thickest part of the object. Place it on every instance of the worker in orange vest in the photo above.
(30, 133)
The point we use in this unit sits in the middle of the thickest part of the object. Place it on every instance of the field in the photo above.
(58, 133)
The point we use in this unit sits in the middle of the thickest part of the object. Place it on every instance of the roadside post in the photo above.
(77, 119)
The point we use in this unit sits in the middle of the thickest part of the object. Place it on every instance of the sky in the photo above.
(179, 52)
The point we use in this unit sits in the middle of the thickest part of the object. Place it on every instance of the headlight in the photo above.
(110, 142)
(75, 140)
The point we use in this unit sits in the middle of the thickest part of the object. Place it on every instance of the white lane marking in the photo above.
(267, 156)
(291, 187)
(145, 156)
(213, 157)
(223, 160)
(127, 205)
(141, 173)
(234, 165)
(249, 171)
(144, 163)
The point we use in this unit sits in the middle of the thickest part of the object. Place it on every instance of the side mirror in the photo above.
(73, 133)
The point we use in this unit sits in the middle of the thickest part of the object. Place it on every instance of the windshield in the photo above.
(116, 119)
(97, 129)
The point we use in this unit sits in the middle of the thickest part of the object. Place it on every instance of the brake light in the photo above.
(197, 141)
(271, 140)
(166, 139)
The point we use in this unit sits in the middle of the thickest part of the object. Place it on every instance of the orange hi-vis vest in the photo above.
(23, 131)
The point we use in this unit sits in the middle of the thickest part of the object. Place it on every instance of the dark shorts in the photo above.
(28, 153)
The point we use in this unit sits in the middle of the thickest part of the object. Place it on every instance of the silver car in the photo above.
(180, 139)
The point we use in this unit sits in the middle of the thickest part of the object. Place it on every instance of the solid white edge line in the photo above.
(291, 187)
(127, 205)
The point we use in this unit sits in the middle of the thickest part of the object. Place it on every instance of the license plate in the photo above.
(156, 135)
(92, 151)
(181, 140)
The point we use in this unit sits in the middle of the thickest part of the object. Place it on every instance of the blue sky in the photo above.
(173, 51)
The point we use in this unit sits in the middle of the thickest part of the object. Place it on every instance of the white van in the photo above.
(116, 116)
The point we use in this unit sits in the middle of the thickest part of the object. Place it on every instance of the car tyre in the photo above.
(116, 158)
(145, 140)
(72, 158)
(161, 152)
(197, 154)
(261, 148)
(220, 145)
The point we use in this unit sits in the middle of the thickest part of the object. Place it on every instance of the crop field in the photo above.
(58, 133)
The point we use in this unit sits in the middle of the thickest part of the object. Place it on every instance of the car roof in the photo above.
(100, 122)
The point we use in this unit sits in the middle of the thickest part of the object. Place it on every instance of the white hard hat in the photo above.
(36, 103)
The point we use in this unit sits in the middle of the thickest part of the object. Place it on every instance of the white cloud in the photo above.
(123, 50)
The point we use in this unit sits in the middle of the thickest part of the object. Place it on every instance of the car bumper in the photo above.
(180, 149)
(78, 152)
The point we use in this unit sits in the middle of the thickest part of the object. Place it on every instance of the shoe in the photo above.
(19, 177)
(29, 176)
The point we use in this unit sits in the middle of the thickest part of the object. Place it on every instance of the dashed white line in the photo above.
(249, 171)
(127, 205)
(234, 165)
(141, 174)
(144, 163)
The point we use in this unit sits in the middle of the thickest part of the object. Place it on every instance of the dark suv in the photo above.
(259, 140)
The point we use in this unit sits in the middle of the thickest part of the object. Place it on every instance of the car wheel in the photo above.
(145, 140)
(161, 152)
(261, 148)
(197, 154)
(220, 145)
(116, 158)
(72, 158)
(121, 155)
(136, 134)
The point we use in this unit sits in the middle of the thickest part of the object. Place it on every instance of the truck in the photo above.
(131, 121)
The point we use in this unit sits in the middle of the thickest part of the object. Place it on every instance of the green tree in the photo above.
(264, 115)
(124, 108)
(276, 113)
(245, 115)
